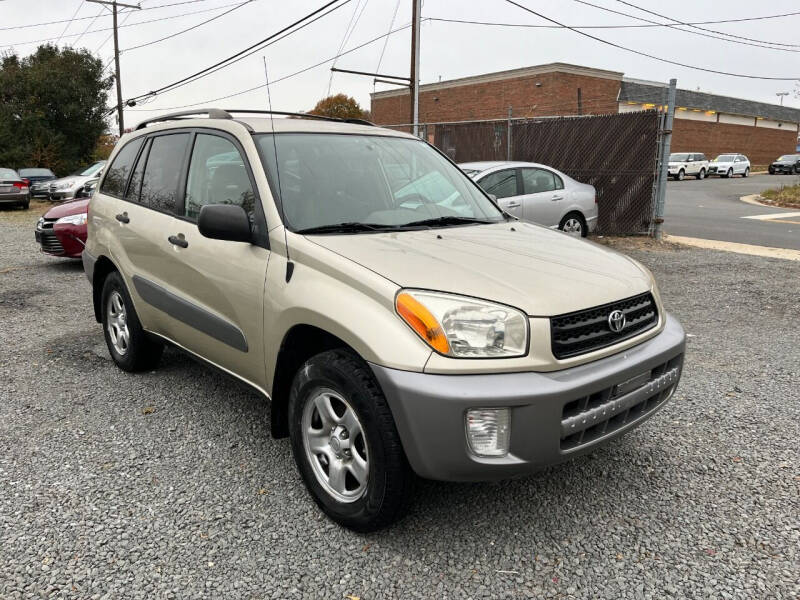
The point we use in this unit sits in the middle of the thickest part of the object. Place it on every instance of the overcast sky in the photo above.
(449, 50)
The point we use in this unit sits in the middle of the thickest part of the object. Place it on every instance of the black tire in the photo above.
(701, 174)
(771, 171)
(390, 479)
(577, 216)
(681, 175)
(746, 172)
(142, 352)
(26, 205)
(796, 169)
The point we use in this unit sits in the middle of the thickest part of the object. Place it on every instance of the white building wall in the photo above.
(776, 124)
(736, 119)
(695, 116)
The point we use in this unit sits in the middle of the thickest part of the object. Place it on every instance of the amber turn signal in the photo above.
(422, 321)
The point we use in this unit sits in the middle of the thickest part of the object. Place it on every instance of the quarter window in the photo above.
(135, 185)
(540, 180)
(117, 176)
(161, 175)
(502, 184)
(217, 175)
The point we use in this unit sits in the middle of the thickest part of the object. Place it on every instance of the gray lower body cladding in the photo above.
(554, 415)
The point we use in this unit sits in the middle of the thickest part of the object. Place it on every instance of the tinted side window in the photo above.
(135, 185)
(538, 180)
(217, 175)
(117, 177)
(162, 173)
(501, 184)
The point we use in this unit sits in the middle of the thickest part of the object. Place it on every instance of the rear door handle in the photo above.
(178, 241)
(557, 197)
(123, 218)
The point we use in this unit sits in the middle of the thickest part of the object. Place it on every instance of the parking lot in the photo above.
(167, 484)
(710, 209)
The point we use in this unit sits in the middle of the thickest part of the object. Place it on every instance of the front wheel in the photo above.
(681, 175)
(345, 442)
(729, 174)
(701, 174)
(574, 224)
(746, 172)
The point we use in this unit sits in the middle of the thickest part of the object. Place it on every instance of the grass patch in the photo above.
(787, 196)
(21, 217)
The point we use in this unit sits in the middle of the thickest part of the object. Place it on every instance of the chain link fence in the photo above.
(618, 154)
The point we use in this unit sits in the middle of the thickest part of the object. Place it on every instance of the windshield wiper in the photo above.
(348, 227)
(450, 220)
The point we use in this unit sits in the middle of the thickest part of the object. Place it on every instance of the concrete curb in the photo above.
(753, 199)
(752, 250)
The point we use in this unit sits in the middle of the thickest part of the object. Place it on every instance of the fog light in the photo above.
(488, 431)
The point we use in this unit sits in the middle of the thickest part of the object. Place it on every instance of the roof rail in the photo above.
(213, 113)
(300, 115)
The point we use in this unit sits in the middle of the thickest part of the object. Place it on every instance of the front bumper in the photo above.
(554, 415)
(788, 169)
(62, 240)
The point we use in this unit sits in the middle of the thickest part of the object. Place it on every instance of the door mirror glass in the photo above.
(224, 222)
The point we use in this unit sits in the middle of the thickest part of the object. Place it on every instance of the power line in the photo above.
(28, 26)
(75, 14)
(694, 26)
(675, 27)
(226, 62)
(127, 14)
(177, 33)
(386, 39)
(351, 27)
(626, 26)
(87, 27)
(284, 78)
(638, 52)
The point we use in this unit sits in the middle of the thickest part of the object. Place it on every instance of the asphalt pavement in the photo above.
(711, 209)
(167, 484)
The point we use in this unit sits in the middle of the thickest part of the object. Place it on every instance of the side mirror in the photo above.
(493, 197)
(224, 222)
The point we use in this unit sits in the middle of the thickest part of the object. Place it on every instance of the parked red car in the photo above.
(61, 231)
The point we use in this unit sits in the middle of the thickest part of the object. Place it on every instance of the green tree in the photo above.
(340, 106)
(52, 108)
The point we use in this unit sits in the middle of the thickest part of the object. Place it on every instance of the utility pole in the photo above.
(114, 4)
(781, 95)
(416, 9)
(666, 143)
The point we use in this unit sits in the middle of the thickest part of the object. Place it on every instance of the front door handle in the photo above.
(512, 205)
(557, 197)
(178, 241)
(123, 218)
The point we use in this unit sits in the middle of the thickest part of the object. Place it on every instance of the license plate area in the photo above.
(630, 384)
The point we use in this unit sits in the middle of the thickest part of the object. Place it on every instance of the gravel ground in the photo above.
(168, 485)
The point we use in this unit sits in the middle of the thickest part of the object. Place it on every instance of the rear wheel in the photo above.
(574, 224)
(128, 343)
(345, 442)
(681, 175)
(701, 174)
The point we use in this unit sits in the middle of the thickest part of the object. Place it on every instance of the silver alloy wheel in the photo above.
(730, 172)
(335, 445)
(681, 174)
(702, 174)
(573, 226)
(117, 320)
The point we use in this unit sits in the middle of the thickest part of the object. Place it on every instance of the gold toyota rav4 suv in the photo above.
(396, 318)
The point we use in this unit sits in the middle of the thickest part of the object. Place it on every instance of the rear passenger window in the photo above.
(217, 175)
(502, 184)
(117, 176)
(540, 180)
(161, 175)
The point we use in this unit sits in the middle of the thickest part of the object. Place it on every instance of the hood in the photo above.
(538, 270)
(65, 209)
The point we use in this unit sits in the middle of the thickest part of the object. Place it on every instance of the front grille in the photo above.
(588, 330)
(48, 223)
(50, 242)
(592, 417)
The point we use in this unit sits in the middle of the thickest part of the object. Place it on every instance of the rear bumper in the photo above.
(13, 198)
(554, 416)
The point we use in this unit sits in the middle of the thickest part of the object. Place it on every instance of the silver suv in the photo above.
(397, 319)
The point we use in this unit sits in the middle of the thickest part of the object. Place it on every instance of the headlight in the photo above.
(464, 327)
(73, 220)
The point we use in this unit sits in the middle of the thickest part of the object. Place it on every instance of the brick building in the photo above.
(703, 122)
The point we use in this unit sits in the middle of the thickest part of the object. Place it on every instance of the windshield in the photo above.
(678, 157)
(725, 158)
(376, 182)
(8, 174)
(90, 170)
(35, 173)
(789, 157)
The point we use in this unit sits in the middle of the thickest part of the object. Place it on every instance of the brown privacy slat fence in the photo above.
(616, 153)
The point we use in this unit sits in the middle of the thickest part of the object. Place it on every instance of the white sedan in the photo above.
(539, 194)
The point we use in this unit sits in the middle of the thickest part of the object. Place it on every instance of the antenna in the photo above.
(289, 263)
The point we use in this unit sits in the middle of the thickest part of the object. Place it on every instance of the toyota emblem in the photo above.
(616, 321)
